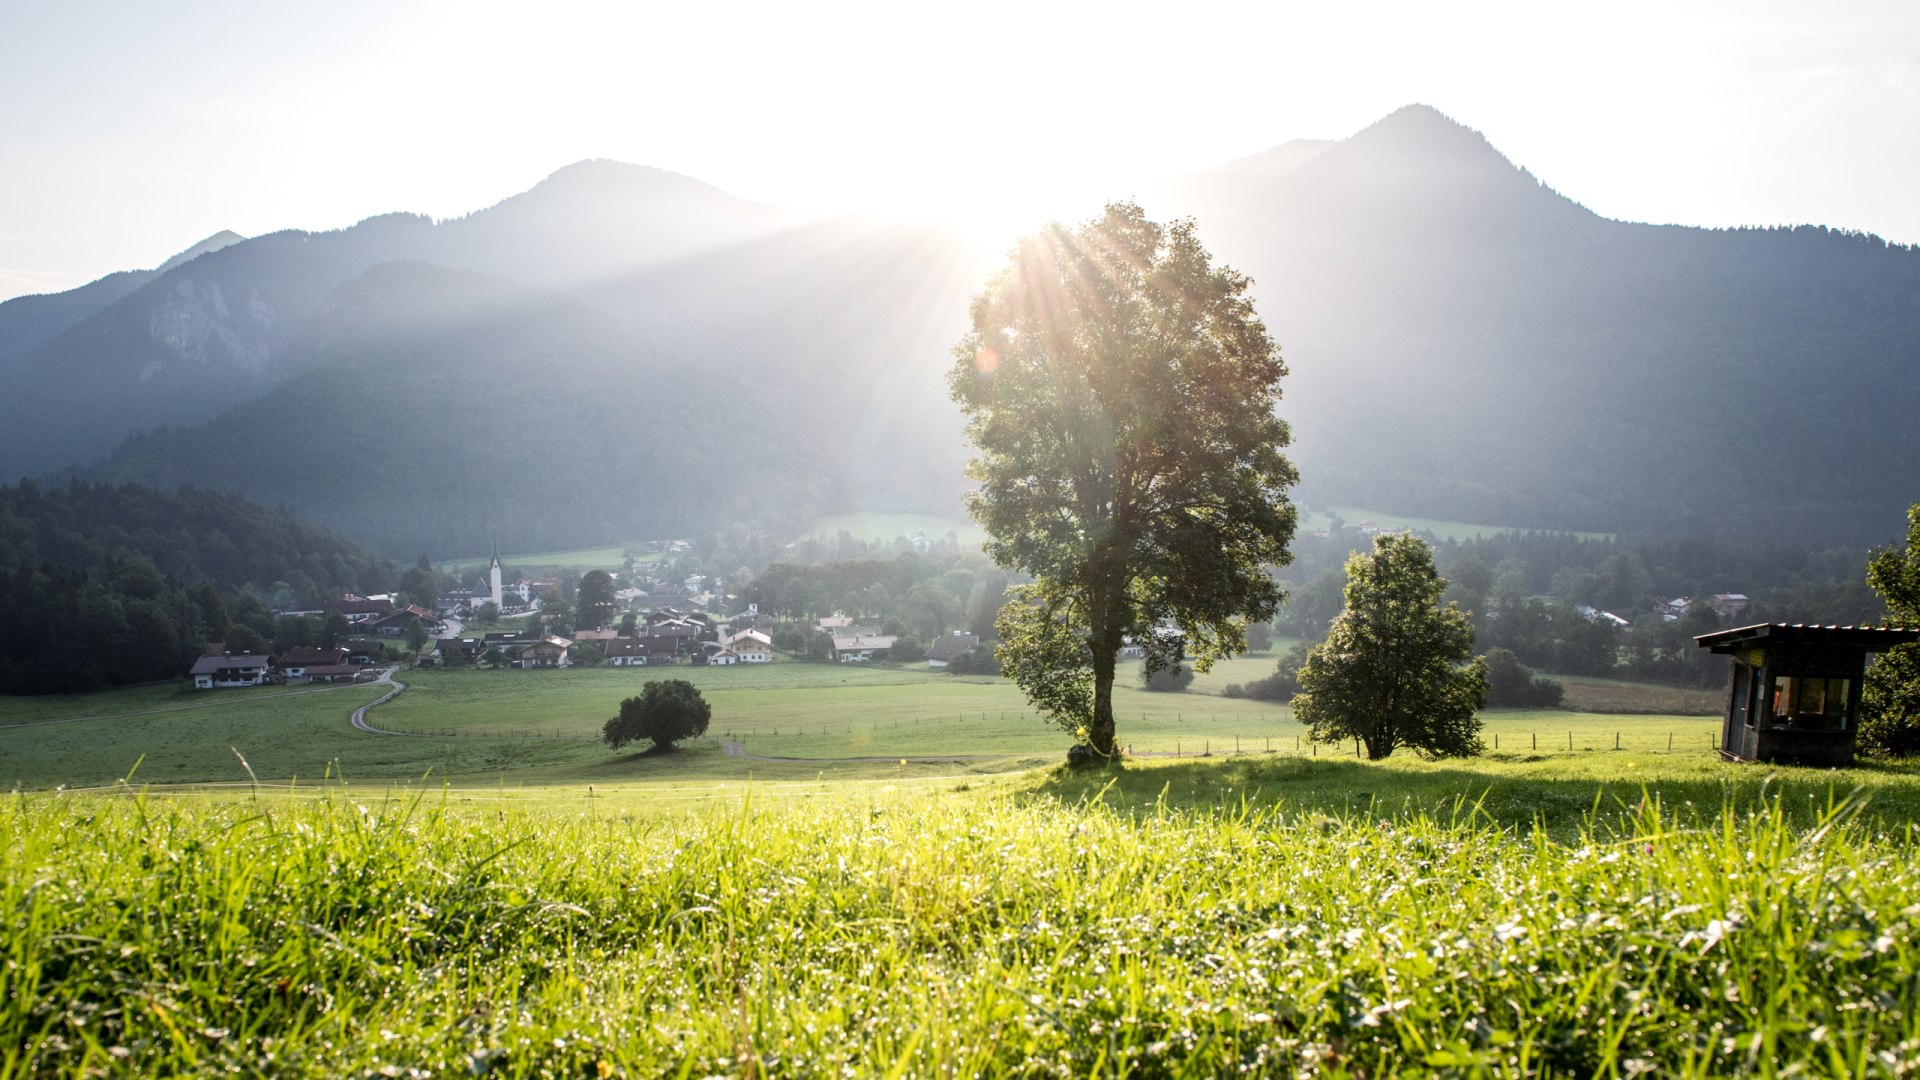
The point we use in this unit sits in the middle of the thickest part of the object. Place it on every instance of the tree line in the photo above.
(107, 586)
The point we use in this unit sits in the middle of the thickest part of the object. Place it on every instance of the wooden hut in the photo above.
(1793, 695)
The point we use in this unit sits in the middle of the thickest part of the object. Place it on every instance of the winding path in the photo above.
(359, 716)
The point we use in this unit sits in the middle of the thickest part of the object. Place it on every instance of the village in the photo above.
(663, 625)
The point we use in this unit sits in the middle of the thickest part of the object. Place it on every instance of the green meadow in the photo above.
(899, 879)
(883, 527)
(578, 561)
(774, 721)
(1257, 915)
(1439, 527)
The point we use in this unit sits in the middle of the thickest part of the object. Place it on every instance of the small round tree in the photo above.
(665, 712)
(1396, 669)
(1890, 701)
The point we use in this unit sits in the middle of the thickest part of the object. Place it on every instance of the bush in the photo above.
(1169, 680)
(1259, 637)
(665, 712)
(1279, 686)
(1511, 686)
(1890, 704)
(979, 660)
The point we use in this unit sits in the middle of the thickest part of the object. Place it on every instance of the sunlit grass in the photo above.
(1192, 918)
(793, 720)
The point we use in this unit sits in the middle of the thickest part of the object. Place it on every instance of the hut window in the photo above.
(1810, 703)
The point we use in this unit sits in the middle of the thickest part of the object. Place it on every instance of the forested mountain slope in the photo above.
(1467, 343)
(436, 404)
(190, 341)
(107, 585)
(622, 351)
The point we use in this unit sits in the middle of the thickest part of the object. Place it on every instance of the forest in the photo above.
(112, 585)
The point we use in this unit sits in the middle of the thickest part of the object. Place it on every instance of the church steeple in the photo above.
(493, 573)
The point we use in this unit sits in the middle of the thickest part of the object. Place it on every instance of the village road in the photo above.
(359, 717)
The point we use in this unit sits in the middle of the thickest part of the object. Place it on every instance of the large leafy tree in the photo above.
(1890, 698)
(594, 602)
(1394, 669)
(1120, 393)
(664, 713)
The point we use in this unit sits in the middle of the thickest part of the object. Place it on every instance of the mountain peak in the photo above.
(223, 238)
(610, 176)
(1424, 129)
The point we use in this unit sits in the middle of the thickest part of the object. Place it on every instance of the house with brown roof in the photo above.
(301, 665)
(860, 648)
(360, 609)
(226, 669)
(948, 647)
(395, 624)
(545, 653)
(751, 646)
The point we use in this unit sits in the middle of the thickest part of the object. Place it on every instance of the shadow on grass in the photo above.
(1510, 793)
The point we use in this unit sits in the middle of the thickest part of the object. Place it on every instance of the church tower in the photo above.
(493, 574)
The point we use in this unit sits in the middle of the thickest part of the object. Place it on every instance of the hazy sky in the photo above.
(131, 130)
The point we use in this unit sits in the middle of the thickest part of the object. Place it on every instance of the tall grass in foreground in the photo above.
(954, 935)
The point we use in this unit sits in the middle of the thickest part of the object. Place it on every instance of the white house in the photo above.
(751, 646)
(247, 669)
(861, 648)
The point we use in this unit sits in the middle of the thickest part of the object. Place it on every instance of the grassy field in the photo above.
(884, 527)
(786, 721)
(1259, 916)
(600, 558)
(867, 898)
(1442, 529)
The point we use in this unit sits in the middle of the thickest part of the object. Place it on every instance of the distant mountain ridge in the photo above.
(620, 350)
(1467, 343)
(27, 322)
(184, 343)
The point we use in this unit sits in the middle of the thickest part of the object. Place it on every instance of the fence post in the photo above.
(1569, 740)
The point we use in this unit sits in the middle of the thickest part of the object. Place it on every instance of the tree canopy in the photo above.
(1890, 698)
(1390, 672)
(664, 713)
(594, 602)
(1120, 394)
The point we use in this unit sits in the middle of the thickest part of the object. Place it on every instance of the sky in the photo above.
(129, 131)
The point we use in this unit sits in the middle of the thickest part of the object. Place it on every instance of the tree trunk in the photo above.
(1100, 733)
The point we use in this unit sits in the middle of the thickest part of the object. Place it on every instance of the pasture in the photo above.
(778, 721)
(901, 882)
(882, 528)
(1258, 915)
(549, 562)
(1441, 528)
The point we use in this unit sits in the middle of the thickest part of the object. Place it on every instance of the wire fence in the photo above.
(1181, 735)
